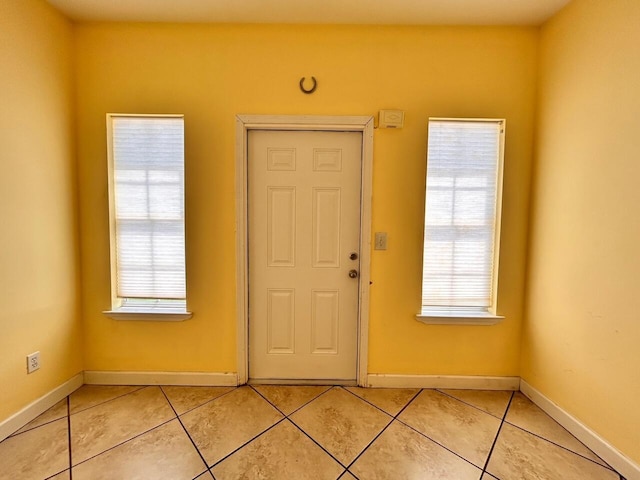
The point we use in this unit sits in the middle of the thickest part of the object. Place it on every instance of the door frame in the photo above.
(245, 123)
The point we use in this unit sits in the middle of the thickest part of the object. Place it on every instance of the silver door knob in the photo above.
(353, 273)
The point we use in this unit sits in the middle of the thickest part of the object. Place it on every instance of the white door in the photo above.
(304, 237)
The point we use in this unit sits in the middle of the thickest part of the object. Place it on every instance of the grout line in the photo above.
(198, 406)
(607, 467)
(408, 403)
(129, 439)
(437, 443)
(123, 442)
(206, 465)
(268, 401)
(15, 434)
(69, 436)
(246, 443)
(286, 417)
(427, 436)
(475, 406)
(369, 444)
(141, 387)
(316, 442)
(300, 407)
(384, 411)
(495, 440)
(343, 475)
(393, 418)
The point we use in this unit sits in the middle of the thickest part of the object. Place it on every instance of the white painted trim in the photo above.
(39, 406)
(242, 272)
(384, 380)
(161, 378)
(297, 381)
(622, 464)
(365, 250)
(244, 123)
(432, 318)
(148, 316)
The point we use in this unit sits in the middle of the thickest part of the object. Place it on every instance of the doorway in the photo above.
(304, 187)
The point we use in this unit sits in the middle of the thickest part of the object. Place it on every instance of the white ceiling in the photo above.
(371, 12)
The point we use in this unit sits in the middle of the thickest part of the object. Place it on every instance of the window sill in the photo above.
(149, 314)
(450, 317)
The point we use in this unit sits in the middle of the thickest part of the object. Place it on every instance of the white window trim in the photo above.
(445, 317)
(160, 311)
(149, 314)
(471, 316)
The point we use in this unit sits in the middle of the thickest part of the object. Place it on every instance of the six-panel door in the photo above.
(304, 227)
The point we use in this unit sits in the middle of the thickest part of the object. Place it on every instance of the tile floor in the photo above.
(294, 432)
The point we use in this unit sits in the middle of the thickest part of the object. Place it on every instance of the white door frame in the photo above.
(245, 123)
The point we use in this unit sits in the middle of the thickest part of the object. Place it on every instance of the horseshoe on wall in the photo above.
(312, 89)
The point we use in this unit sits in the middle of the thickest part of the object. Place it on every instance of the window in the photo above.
(462, 220)
(146, 208)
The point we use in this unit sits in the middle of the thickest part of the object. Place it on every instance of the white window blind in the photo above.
(461, 214)
(148, 206)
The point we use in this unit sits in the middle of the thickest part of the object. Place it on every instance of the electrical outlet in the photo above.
(33, 362)
(380, 241)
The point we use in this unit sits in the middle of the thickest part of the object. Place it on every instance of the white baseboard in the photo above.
(384, 380)
(623, 465)
(41, 405)
(160, 378)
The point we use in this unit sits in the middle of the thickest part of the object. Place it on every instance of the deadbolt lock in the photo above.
(353, 256)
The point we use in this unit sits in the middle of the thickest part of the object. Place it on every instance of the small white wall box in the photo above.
(391, 119)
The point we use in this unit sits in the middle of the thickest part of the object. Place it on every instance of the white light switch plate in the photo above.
(381, 241)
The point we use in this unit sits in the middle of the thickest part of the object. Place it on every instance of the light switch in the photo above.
(381, 241)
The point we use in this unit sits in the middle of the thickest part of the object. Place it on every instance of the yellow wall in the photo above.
(581, 340)
(211, 73)
(38, 238)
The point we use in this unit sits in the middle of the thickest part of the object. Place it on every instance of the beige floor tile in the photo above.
(91, 395)
(163, 453)
(282, 449)
(341, 423)
(59, 410)
(486, 476)
(226, 423)
(391, 400)
(289, 398)
(463, 429)
(184, 399)
(106, 425)
(402, 453)
(347, 476)
(525, 414)
(521, 455)
(37, 453)
(493, 402)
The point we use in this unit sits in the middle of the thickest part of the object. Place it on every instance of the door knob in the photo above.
(353, 273)
(353, 256)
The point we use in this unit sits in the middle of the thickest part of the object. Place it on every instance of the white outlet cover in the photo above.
(33, 362)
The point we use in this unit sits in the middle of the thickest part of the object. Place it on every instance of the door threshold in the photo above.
(301, 381)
